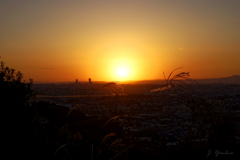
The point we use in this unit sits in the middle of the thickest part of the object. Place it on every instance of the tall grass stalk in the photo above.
(117, 87)
(172, 84)
(169, 84)
(63, 146)
(106, 85)
(92, 152)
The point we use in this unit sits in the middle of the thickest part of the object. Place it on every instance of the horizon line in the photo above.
(127, 81)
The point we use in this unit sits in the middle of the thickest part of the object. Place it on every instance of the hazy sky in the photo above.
(64, 40)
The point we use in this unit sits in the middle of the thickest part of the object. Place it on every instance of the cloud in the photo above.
(181, 48)
(216, 48)
(36, 67)
(44, 68)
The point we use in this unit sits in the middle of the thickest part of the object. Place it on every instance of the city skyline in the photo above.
(59, 41)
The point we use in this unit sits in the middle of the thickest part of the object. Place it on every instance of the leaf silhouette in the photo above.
(110, 120)
(108, 136)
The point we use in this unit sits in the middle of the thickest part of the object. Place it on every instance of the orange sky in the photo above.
(53, 41)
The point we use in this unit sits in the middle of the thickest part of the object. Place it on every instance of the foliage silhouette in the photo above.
(19, 118)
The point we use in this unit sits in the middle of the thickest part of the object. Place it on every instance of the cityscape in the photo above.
(168, 114)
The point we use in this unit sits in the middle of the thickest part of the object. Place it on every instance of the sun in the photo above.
(122, 72)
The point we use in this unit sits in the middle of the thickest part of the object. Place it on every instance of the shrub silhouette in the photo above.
(18, 115)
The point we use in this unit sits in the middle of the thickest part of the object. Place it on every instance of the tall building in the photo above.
(89, 81)
(76, 80)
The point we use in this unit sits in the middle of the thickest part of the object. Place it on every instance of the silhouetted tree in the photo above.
(19, 123)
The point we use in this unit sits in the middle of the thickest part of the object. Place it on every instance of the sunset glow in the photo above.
(122, 72)
(59, 41)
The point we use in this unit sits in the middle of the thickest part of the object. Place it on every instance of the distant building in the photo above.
(76, 80)
(89, 80)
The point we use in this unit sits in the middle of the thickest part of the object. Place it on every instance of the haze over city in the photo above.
(57, 41)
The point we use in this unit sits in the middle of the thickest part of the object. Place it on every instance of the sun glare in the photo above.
(122, 63)
(122, 72)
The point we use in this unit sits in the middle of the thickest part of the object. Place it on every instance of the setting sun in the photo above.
(59, 41)
(122, 71)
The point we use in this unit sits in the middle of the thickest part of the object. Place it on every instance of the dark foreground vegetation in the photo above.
(44, 130)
